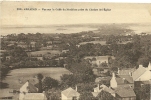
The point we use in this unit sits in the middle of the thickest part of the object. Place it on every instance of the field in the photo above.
(17, 77)
(94, 42)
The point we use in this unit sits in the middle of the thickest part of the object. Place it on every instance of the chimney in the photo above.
(98, 86)
(113, 75)
(130, 73)
(140, 66)
(76, 88)
(124, 80)
(118, 71)
(149, 66)
(113, 82)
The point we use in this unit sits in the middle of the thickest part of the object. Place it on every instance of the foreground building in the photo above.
(29, 92)
(142, 73)
(125, 94)
(70, 94)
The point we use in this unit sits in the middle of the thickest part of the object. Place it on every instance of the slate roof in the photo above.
(120, 81)
(126, 71)
(95, 94)
(35, 96)
(102, 58)
(31, 87)
(125, 92)
(105, 88)
(136, 74)
(128, 78)
(102, 88)
(70, 92)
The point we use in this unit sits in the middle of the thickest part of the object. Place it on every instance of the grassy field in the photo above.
(94, 42)
(17, 77)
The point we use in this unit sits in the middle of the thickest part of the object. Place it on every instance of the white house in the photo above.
(35, 96)
(27, 88)
(121, 81)
(142, 73)
(70, 94)
(99, 59)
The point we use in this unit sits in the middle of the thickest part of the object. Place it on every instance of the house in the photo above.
(125, 94)
(38, 58)
(142, 73)
(35, 96)
(46, 48)
(127, 71)
(96, 38)
(65, 51)
(49, 42)
(101, 88)
(8, 57)
(27, 88)
(98, 60)
(104, 80)
(100, 71)
(32, 44)
(121, 81)
(70, 94)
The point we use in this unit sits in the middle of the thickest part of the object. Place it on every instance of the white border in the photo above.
(111, 1)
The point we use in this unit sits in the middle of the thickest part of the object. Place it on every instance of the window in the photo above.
(142, 85)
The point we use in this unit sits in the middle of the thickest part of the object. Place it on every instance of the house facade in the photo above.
(125, 94)
(123, 86)
(142, 73)
(27, 88)
(70, 94)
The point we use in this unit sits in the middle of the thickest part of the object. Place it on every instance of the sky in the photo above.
(120, 13)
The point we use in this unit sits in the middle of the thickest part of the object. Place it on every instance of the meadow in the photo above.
(94, 42)
(17, 77)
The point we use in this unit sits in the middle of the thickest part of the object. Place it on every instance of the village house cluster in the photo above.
(57, 52)
(121, 86)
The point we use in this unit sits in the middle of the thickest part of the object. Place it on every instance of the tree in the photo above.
(40, 77)
(143, 93)
(49, 83)
(53, 94)
(143, 61)
(105, 96)
(86, 96)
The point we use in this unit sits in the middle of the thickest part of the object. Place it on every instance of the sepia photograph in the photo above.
(75, 50)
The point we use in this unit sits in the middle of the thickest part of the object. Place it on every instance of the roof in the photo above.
(95, 94)
(126, 71)
(119, 81)
(30, 87)
(35, 96)
(70, 92)
(128, 78)
(105, 88)
(102, 58)
(125, 93)
(6, 93)
(98, 79)
(98, 57)
(136, 74)
(143, 82)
